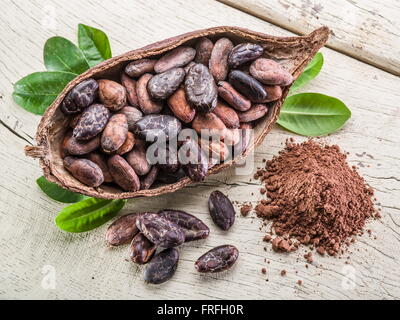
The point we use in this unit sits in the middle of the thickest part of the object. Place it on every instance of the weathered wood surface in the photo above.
(86, 269)
(366, 30)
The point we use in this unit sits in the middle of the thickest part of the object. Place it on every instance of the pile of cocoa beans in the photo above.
(217, 88)
(168, 229)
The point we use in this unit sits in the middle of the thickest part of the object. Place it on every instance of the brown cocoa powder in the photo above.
(315, 197)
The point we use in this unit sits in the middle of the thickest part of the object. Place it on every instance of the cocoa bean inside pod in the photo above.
(154, 127)
(130, 87)
(164, 156)
(74, 120)
(248, 86)
(227, 115)
(123, 174)
(146, 103)
(219, 58)
(274, 93)
(177, 57)
(221, 210)
(139, 67)
(112, 94)
(84, 170)
(217, 259)
(75, 147)
(141, 249)
(127, 145)
(149, 179)
(101, 161)
(115, 133)
(180, 107)
(209, 124)
(162, 85)
(162, 267)
(92, 122)
(246, 136)
(243, 53)
(80, 97)
(193, 160)
(232, 97)
(132, 115)
(256, 112)
(137, 158)
(122, 230)
(217, 151)
(270, 72)
(203, 51)
(232, 136)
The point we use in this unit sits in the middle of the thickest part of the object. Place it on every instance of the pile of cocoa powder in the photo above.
(314, 197)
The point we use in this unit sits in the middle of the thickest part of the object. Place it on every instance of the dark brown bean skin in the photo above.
(243, 53)
(178, 57)
(132, 115)
(80, 97)
(139, 67)
(130, 87)
(162, 267)
(221, 210)
(146, 103)
(218, 63)
(227, 115)
(180, 107)
(122, 230)
(123, 174)
(247, 85)
(92, 122)
(168, 177)
(115, 133)
(137, 159)
(84, 170)
(203, 51)
(75, 147)
(127, 145)
(232, 97)
(274, 93)
(162, 85)
(200, 88)
(141, 249)
(256, 112)
(270, 72)
(101, 161)
(197, 166)
(168, 159)
(160, 231)
(149, 179)
(218, 259)
(112, 94)
(193, 227)
(155, 126)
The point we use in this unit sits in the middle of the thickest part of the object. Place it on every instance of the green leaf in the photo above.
(88, 214)
(57, 193)
(94, 44)
(309, 73)
(313, 114)
(60, 54)
(38, 90)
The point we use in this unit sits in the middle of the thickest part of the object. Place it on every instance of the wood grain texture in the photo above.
(87, 269)
(366, 30)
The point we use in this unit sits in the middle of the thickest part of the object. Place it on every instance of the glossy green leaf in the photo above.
(60, 54)
(88, 214)
(313, 114)
(38, 90)
(94, 44)
(57, 193)
(310, 72)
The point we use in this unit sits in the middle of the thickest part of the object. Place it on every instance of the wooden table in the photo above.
(361, 65)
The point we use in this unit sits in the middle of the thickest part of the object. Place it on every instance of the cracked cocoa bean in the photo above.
(270, 72)
(130, 87)
(122, 230)
(149, 179)
(193, 160)
(157, 126)
(221, 210)
(217, 259)
(92, 122)
(75, 147)
(256, 112)
(132, 115)
(162, 85)
(227, 115)
(112, 94)
(247, 85)
(203, 51)
(137, 158)
(141, 249)
(243, 53)
(232, 97)
(219, 59)
(178, 57)
(84, 170)
(162, 267)
(114, 134)
(127, 145)
(139, 67)
(146, 103)
(160, 231)
(180, 107)
(80, 97)
(123, 174)
(101, 161)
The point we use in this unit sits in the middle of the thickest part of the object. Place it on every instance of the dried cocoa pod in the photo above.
(219, 58)
(256, 112)
(141, 249)
(146, 103)
(101, 161)
(177, 57)
(139, 67)
(160, 231)
(193, 160)
(243, 53)
(114, 134)
(203, 51)
(217, 151)
(162, 85)
(209, 122)
(122, 230)
(80, 97)
(130, 87)
(149, 179)
(84, 170)
(217, 259)
(247, 85)
(74, 120)
(200, 88)
(132, 115)
(137, 159)
(162, 267)
(227, 115)
(155, 126)
(270, 72)
(180, 107)
(232, 97)
(123, 174)
(274, 93)
(76, 147)
(193, 227)
(112, 94)
(221, 210)
(92, 122)
(127, 145)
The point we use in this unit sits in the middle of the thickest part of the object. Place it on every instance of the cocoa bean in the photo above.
(188, 66)
(178, 57)
(221, 210)
(227, 115)
(76, 147)
(162, 85)
(232, 137)
(157, 126)
(232, 97)
(162, 267)
(274, 93)
(270, 72)
(219, 59)
(243, 53)
(122, 230)
(80, 97)
(169, 178)
(256, 112)
(130, 87)
(247, 134)
(168, 158)
(217, 151)
(193, 160)
(127, 145)
(84, 170)
(132, 115)
(115, 133)
(112, 94)
(146, 103)
(123, 174)
(74, 120)
(203, 51)
(137, 159)
(149, 179)
(217, 259)
(180, 106)
(247, 85)
(139, 67)
(92, 122)
(210, 123)
(101, 161)
(141, 249)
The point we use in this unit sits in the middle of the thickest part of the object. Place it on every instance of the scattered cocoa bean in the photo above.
(219, 58)
(141, 249)
(227, 115)
(130, 87)
(162, 267)
(180, 107)
(218, 259)
(101, 161)
(139, 67)
(162, 85)
(270, 72)
(122, 230)
(247, 85)
(92, 122)
(146, 103)
(123, 174)
(132, 115)
(221, 210)
(203, 51)
(255, 112)
(80, 97)
(178, 57)
(232, 97)
(84, 170)
(243, 53)
(112, 94)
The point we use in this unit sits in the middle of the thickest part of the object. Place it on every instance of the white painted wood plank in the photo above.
(367, 30)
(87, 269)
